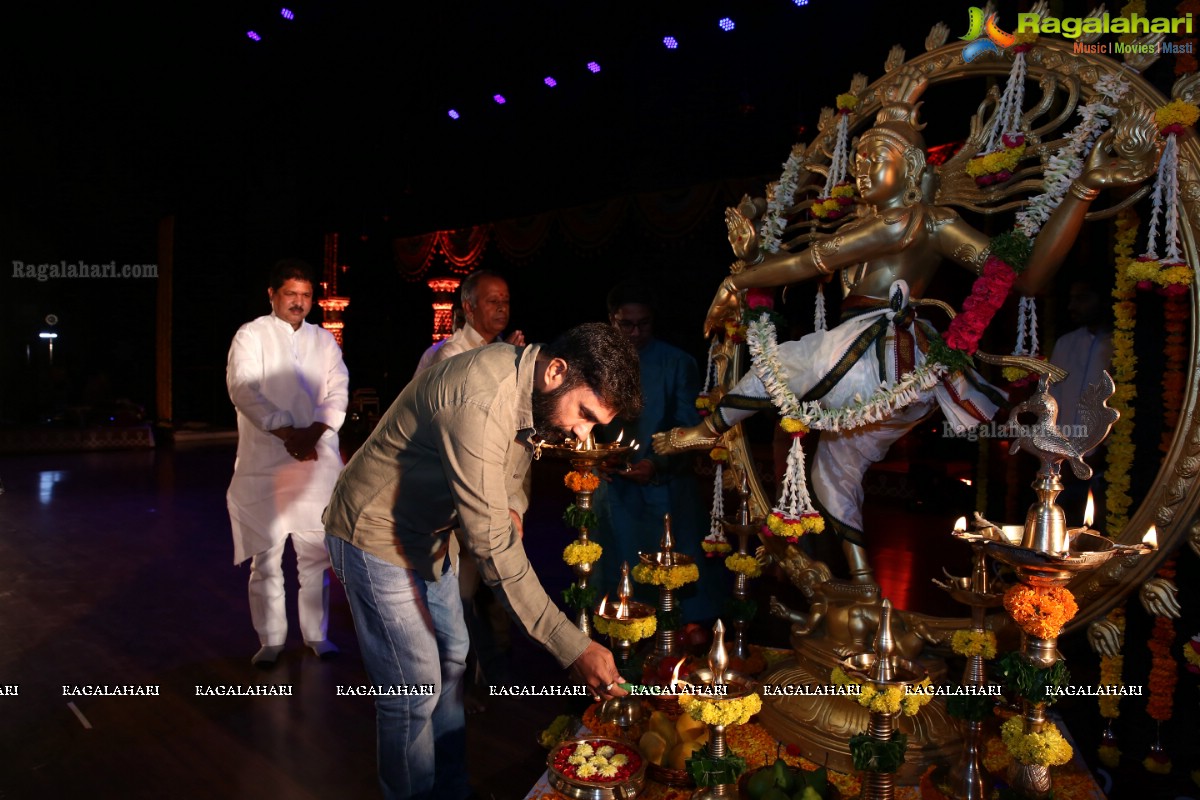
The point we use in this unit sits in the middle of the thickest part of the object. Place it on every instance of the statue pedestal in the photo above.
(821, 725)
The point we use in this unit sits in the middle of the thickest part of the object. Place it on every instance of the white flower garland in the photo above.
(716, 532)
(773, 224)
(886, 401)
(819, 309)
(1065, 166)
(1062, 169)
(839, 163)
(1166, 201)
(1008, 115)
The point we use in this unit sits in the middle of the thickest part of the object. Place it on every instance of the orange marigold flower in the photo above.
(1041, 611)
(578, 481)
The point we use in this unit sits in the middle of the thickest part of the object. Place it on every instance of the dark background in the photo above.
(337, 122)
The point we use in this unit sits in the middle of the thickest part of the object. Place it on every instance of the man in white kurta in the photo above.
(289, 385)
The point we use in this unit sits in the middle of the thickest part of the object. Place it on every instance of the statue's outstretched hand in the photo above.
(743, 237)
(725, 305)
(1124, 156)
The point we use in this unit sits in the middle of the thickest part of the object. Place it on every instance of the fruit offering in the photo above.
(783, 782)
(669, 743)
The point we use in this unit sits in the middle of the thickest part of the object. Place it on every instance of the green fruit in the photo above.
(819, 781)
(785, 778)
(775, 793)
(759, 784)
(808, 793)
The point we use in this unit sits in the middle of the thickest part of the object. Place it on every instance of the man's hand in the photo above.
(302, 444)
(520, 526)
(640, 473)
(516, 338)
(596, 670)
(283, 433)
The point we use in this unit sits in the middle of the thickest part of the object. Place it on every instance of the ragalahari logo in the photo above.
(995, 42)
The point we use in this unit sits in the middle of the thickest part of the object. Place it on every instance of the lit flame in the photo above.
(578, 445)
(623, 608)
(603, 604)
(675, 674)
(960, 524)
(966, 481)
(620, 435)
(1089, 511)
(1151, 537)
(633, 443)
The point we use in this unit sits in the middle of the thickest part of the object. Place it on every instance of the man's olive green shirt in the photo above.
(452, 451)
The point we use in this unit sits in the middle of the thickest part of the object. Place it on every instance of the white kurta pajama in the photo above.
(279, 377)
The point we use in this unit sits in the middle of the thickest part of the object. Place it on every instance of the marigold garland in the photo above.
(974, 643)
(667, 577)
(1040, 611)
(1120, 441)
(634, 629)
(888, 699)
(582, 552)
(997, 167)
(1175, 315)
(744, 564)
(578, 481)
(1163, 675)
(792, 528)
(721, 711)
(1177, 112)
(1110, 669)
(1046, 749)
(715, 548)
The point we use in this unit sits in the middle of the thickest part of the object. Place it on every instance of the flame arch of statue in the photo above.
(1171, 504)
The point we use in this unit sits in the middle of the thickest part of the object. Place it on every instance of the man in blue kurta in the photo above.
(631, 505)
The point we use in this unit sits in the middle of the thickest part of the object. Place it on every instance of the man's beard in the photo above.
(545, 405)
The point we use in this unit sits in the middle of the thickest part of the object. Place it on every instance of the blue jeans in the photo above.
(411, 632)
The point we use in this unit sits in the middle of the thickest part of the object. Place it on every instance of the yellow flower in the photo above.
(1181, 274)
(721, 711)
(1045, 749)
(633, 630)
(715, 547)
(581, 552)
(719, 454)
(973, 643)
(1005, 160)
(1109, 755)
(847, 102)
(793, 425)
(1025, 36)
(669, 577)
(746, 565)
(1176, 112)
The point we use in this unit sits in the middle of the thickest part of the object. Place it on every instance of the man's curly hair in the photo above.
(603, 359)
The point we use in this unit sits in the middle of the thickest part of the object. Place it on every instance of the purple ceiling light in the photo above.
(726, 24)
(286, 13)
(453, 114)
(550, 82)
(499, 98)
(254, 36)
(671, 42)
(593, 67)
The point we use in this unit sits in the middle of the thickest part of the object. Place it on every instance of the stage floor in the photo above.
(115, 570)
